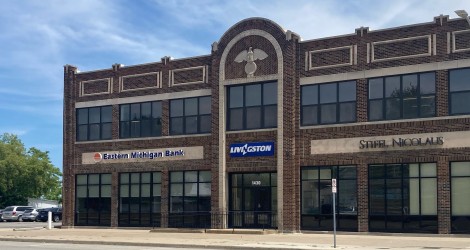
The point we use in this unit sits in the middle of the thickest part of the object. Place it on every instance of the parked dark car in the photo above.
(56, 214)
(1, 212)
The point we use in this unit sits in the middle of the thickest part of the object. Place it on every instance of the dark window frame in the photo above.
(186, 217)
(422, 219)
(88, 124)
(455, 92)
(103, 218)
(198, 116)
(151, 119)
(183, 182)
(462, 219)
(318, 105)
(244, 107)
(384, 98)
(242, 217)
(124, 218)
(334, 173)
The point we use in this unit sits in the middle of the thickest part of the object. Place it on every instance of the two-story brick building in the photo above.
(251, 135)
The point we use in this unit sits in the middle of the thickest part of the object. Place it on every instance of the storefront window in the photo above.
(317, 198)
(93, 200)
(460, 196)
(140, 199)
(190, 199)
(403, 197)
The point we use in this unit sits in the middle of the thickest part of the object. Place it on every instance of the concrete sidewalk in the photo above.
(241, 240)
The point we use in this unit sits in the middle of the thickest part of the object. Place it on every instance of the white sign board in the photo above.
(333, 185)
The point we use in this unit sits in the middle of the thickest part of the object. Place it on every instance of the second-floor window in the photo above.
(190, 115)
(252, 106)
(94, 123)
(459, 91)
(140, 120)
(328, 103)
(402, 97)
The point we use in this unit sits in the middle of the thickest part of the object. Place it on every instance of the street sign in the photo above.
(333, 190)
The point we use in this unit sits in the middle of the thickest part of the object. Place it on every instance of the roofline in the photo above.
(381, 30)
(252, 18)
(142, 64)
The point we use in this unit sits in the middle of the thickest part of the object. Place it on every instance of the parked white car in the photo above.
(30, 214)
(14, 213)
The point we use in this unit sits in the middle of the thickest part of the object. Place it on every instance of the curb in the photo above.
(94, 242)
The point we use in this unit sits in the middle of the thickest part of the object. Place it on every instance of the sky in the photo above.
(38, 37)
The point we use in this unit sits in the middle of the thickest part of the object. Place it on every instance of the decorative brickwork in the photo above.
(96, 87)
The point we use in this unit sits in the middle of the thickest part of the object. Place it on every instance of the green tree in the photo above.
(26, 173)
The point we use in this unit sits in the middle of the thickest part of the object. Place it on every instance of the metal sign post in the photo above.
(333, 190)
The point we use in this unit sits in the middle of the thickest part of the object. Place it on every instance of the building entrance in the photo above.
(253, 200)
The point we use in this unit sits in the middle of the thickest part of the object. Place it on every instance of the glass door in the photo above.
(253, 200)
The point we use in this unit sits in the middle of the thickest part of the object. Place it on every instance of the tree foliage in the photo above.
(26, 173)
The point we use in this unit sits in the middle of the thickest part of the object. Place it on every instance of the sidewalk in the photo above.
(136, 237)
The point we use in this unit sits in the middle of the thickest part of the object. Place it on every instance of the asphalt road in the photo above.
(16, 225)
(56, 246)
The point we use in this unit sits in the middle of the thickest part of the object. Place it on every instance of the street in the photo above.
(18, 225)
(56, 246)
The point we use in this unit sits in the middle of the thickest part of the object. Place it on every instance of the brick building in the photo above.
(251, 135)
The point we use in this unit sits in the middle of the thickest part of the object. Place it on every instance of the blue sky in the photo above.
(38, 37)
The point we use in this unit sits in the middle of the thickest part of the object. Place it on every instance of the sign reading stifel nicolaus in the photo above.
(252, 149)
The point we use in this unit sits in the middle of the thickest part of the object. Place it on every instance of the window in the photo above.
(190, 115)
(190, 198)
(460, 197)
(252, 106)
(93, 200)
(140, 199)
(317, 198)
(402, 97)
(94, 123)
(140, 120)
(403, 197)
(328, 103)
(459, 91)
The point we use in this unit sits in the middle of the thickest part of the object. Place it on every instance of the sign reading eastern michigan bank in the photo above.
(252, 149)
(143, 155)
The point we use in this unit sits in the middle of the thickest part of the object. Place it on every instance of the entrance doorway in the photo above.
(253, 200)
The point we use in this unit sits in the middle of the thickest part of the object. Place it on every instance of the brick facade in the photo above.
(292, 63)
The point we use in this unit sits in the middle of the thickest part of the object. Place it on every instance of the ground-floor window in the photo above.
(253, 200)
(140, 199)
(403, 197)
(460, 196)
(93, 200)
(317, 198)
(190, 199)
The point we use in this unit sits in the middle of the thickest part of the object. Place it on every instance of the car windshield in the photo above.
(28, 210)
(8, 209)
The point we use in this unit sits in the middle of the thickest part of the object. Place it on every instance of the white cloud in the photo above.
(15, 131)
